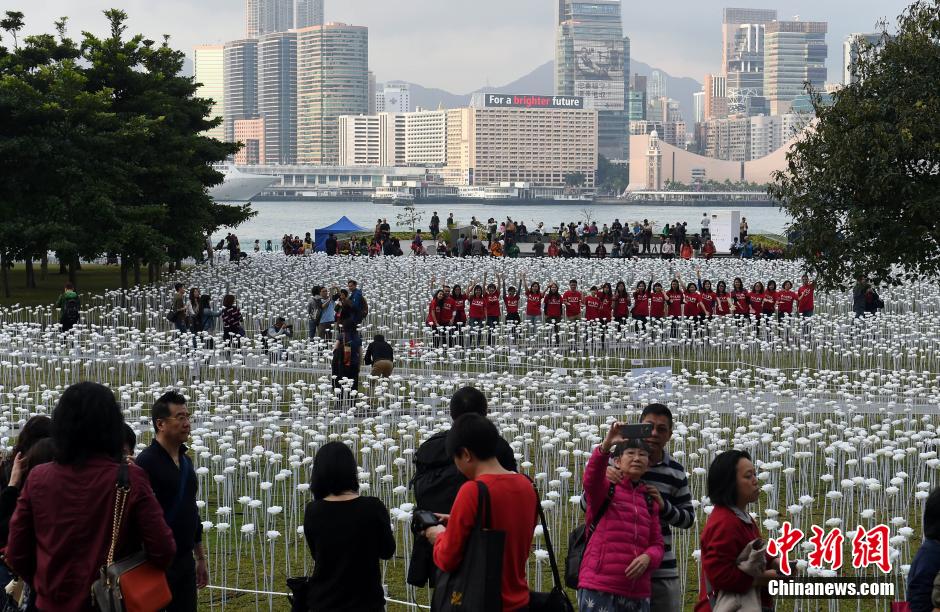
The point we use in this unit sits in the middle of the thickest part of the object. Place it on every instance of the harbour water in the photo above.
(275, 219)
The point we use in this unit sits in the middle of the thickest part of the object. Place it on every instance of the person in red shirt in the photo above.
(573, 299)
(493, 309)
(692, 303)
(709, 250)
(592, 305)
(641, 304)
(658, 305)
(607, 303)
(533, 304)
(552, 304)
(473, 441)
(755, 300)
(674, 305)
(732, 487)
(621, 308)
(770, 298)
(459, 318)
(708, 297)
(724, 303)
(739, 295)
(511, 301)
(477, 309)
(805, 297)
(435, 316)
(553, 250)
(785, 300)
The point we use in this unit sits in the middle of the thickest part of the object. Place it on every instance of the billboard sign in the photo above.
(598, 60)
(526, 101)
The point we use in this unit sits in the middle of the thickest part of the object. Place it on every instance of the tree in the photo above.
(575, 179)
(410, 217)
(863, 185)
(611, 178)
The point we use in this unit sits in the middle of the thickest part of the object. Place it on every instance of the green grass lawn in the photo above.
(92, 278)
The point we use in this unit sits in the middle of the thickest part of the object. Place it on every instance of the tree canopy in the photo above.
(104, 150)
(863, 185)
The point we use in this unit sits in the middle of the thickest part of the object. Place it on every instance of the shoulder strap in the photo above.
(122, 487)
(600, 513)
(556, 576)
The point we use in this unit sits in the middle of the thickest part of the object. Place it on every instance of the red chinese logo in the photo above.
(871, 548)
(789, 538)
(827, 548)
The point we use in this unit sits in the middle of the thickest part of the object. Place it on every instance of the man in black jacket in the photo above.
(437, 480)
(331, 245)
(380, 356)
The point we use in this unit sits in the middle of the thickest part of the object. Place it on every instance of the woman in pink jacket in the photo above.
(627, 544)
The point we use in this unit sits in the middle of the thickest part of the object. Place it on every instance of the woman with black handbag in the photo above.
(484, 543)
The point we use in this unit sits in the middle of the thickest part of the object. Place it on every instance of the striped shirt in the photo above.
(670, 479)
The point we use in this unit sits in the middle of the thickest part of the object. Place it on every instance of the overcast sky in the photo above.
(460, 45)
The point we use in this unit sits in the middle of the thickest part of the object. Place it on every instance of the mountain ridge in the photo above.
(541, 80)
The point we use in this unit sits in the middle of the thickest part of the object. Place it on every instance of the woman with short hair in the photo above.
(732, 486)
(348, 536)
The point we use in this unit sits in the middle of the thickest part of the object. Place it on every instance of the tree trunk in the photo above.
(5, 273)
(151, 273)
(124, 269)
(179, 265)
(137, 272)
(63, 268)
(78, 263)
(73, 272)
(30, 272)
(44, 265)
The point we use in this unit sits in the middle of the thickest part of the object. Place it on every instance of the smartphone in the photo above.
(639, 431)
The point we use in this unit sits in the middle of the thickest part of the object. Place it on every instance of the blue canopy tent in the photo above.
(343, 226)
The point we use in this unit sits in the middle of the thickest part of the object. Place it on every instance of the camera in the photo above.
(421, 520)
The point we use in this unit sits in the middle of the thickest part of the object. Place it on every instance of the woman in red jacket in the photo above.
(739, 295)
(732, 487)
(607, 303)
(658, 305)
(709, 299)
(435, 318)
(622, 304)
(473, 441)
(477, 310)
(674, 299)
(592, 305)
(60, 532)
(627, 544)
(805, 297)
(755, 301)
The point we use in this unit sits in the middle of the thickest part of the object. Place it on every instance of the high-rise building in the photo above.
(249, 132)
(698, 107)
(851, 47)
(308, 13)
(716, 96)
(268, 16)
(209, 72)
(372, 140)
(656, 85)
(426, 138)
(240, 73)
(277, 96)
(393, 98)
(592, 61)
(636, 98)
(332, 80)
(794, 53)
(741, 44)
(372, 89)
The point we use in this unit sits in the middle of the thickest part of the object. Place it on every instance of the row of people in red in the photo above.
(647, 301)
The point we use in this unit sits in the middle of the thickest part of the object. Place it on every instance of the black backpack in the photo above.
(71, 308)
(436, 480)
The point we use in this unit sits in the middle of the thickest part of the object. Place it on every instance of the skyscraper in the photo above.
(268, 16)
(210, 74)
(731, 33)
(743, 33)
(794, 53)
(240, 69)
(277, 96)
(656, 86)
(332, 80)
(851, 47)
(592, 61)
(636, 98)
(393, 98)
(308, 13)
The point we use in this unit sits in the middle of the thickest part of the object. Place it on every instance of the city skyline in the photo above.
(494, 43)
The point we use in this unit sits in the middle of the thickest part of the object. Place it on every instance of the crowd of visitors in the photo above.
(466, 483)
